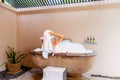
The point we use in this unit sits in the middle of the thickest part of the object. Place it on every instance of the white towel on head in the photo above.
(47, 45)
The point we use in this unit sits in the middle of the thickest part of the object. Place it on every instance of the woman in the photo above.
(50, 41)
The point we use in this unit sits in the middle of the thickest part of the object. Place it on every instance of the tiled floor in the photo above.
(30, 76)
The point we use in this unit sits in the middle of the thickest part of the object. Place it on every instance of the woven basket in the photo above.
(13, 67)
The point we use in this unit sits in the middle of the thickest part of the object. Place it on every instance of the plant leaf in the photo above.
(20, 57)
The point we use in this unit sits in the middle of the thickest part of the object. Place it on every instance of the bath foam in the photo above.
(69, 47)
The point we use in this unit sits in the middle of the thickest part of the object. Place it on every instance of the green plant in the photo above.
(14, 56)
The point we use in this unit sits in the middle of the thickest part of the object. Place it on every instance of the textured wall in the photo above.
(77, 24)
(7, 31)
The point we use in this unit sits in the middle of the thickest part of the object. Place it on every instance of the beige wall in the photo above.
(7, 31)
(77, 24)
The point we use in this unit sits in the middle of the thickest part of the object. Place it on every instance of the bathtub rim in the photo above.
(66, 54)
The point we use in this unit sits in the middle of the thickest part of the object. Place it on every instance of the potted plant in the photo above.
(14, 57)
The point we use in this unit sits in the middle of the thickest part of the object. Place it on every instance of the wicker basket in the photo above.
(13, 68)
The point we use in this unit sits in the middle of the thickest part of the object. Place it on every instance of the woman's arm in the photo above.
(58, 39)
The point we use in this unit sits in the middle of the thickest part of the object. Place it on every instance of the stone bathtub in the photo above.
(76, 64)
